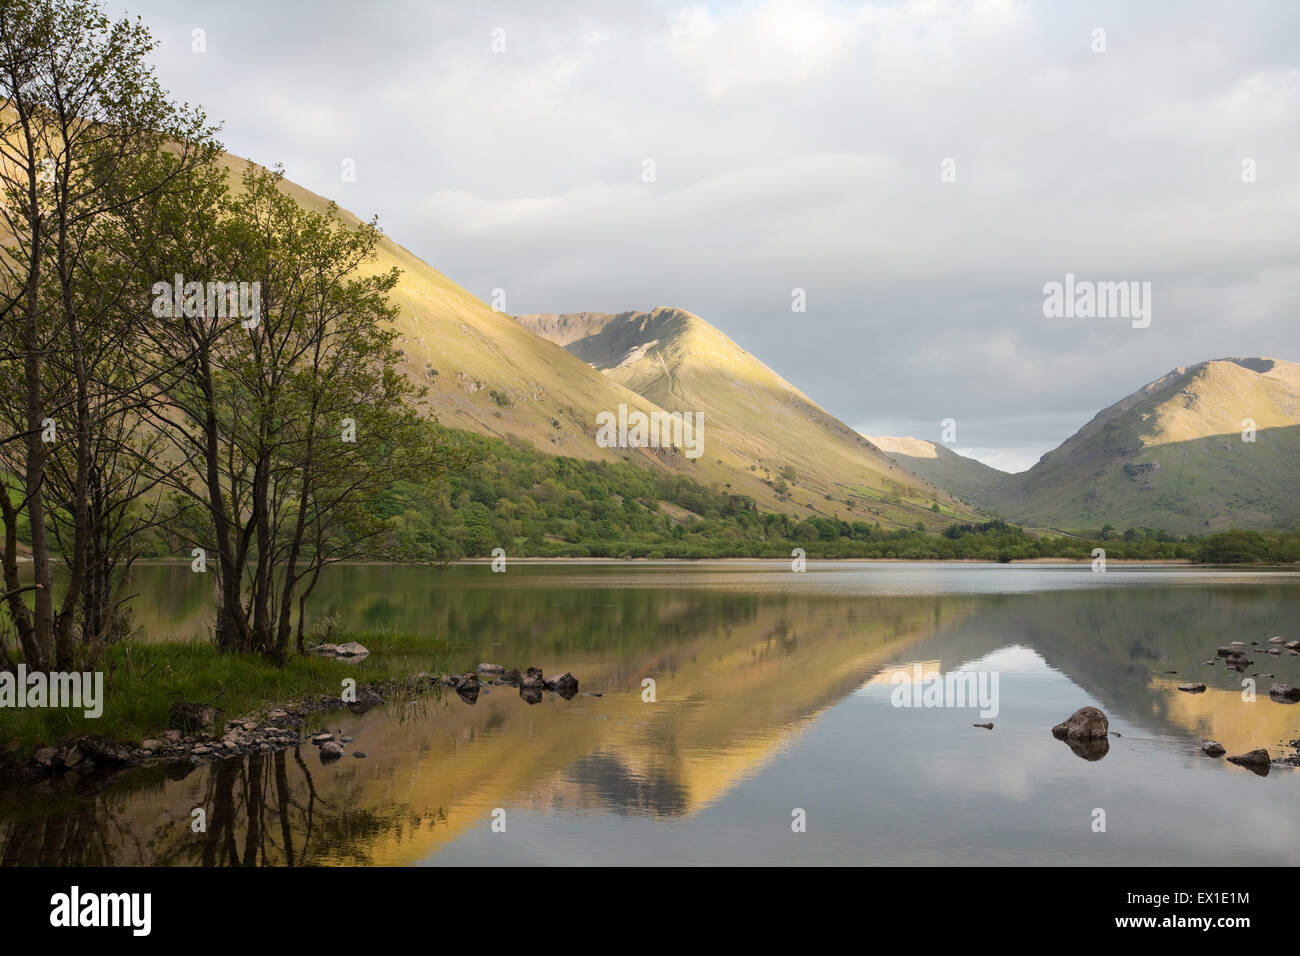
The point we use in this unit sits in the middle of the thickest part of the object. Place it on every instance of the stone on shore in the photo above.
(190, 717)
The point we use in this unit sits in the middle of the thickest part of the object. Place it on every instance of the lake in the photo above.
(774, 735)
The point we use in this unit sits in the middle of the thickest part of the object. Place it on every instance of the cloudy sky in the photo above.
(919, 169)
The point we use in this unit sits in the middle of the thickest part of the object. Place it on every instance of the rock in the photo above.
(1213, 748)
(331, 649)
(566, 685)
(1276, 640)
(1211, 663)
(491, 669)
(200, 749)
(533, 678)
(276, 715)
(367, 698)
(1284, 693)
(193, 717)
(1293, 645)
(985, 726)
(105, 751)
(150, 745)
(512, 677)
(72, 756)
(359, 754)
(320, 739)
(345, 740)
(1192, 688)
(352, 649)
(1240, 643)
(45, 757)
(1252, 758)
(331, 751)
(172, 736)
(1086, 723)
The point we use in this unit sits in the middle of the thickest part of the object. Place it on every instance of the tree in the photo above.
(86, 136)
(289, 419)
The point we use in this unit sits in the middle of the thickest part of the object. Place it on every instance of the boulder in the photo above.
(330, 649)
(1227, 651)
(45, 757)
(1284, 693)
(1277, 640)
(367, 698)
(1192, 688)
(193, 717)
(533, 679)
(1086, 723)
(352, 649)
(1213, 748)
(330, 751)
(1293, 645)
(566, 685)
(1252, 758)
(493, 669)
(321, 739)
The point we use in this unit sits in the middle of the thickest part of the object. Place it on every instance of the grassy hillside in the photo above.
(772, 441)
(965, 478)
(1172, 456)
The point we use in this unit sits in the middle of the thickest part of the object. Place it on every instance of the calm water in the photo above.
(773, 693)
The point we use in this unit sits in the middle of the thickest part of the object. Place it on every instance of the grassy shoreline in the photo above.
(143, 680)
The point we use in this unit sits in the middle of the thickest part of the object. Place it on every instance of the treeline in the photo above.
(182, 358)
(510, 496)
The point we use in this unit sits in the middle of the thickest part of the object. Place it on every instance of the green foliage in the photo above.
(515, 497)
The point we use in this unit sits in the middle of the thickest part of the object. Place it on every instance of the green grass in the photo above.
(143, 681)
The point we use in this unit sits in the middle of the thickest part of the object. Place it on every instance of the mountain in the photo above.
(764, 437)
(1172, 456)
(516, 380)
(965, 478)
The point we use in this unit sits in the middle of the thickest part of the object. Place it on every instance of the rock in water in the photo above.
(1192, 688)
(1086, 723)
(493, 669)
(566, 685)
(1213, 748)
(1252, 758)
(352, 649)
(105, 751)
(1284, 693)
(331, 750)
(367, 698)
(985, 726)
